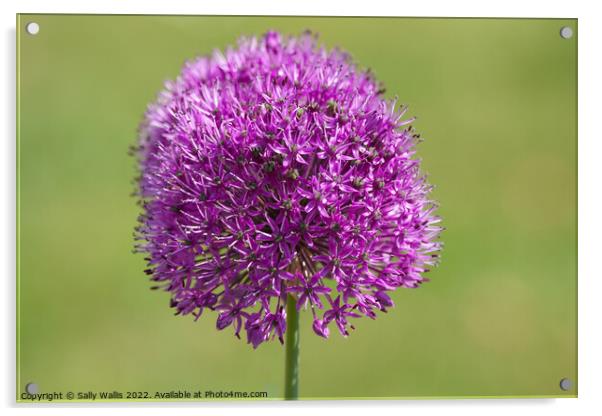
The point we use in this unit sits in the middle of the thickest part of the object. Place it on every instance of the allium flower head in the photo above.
(277, 168)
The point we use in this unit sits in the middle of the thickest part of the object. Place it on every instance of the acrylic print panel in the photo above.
(495, 101)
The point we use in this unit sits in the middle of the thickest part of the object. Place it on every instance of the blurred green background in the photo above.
(496, 101)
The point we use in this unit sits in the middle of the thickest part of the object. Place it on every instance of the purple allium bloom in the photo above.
(277, 168)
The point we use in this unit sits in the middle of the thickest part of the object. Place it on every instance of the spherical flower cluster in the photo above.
(277, 168)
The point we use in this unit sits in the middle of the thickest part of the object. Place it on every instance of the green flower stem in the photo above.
(291, 372)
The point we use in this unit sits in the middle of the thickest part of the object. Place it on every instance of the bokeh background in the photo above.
(496, 104)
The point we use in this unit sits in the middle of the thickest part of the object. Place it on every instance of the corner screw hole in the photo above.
(32, 28)
(31, 388)
(566, 384)
(566, 32)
